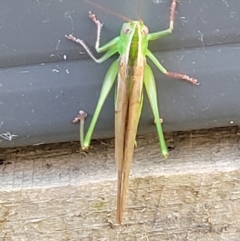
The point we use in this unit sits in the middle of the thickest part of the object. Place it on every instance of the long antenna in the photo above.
(109, 10)
(139, 3)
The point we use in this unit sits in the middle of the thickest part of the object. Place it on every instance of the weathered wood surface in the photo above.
(52, 192)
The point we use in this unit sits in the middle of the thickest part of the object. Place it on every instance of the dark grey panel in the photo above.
(44, 81)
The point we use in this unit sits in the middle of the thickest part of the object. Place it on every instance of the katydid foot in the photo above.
(172, 14)
(92, 16)
(183, 77)
(81, 118)
(74, 39)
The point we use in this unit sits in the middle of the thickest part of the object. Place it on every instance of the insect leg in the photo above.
(156, 35)
(171, 74)
(150, 85)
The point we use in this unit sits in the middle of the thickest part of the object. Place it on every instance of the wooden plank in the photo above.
(53, 192)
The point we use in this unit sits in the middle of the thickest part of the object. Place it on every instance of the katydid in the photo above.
(132, 71)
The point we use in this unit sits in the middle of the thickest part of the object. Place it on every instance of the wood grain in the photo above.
(53, 192)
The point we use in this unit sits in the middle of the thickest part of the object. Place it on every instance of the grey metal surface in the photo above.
(46, 79)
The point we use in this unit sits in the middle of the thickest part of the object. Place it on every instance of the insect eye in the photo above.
(145, 31)
(126, 30)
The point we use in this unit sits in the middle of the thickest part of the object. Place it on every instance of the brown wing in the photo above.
(121, 108)
(126, 126)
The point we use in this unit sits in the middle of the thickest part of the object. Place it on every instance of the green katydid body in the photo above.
(133, 71)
